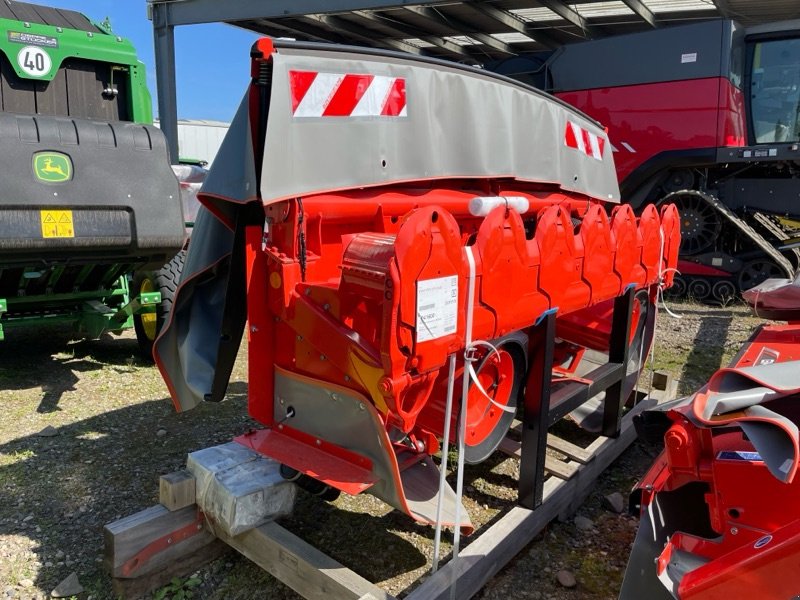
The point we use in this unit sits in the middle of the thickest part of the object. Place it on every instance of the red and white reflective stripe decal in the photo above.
(584, 140)
(346, 95)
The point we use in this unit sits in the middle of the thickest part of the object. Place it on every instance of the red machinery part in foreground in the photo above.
(370, 274)
(719, 505)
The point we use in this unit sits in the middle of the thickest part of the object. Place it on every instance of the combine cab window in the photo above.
(775, 91)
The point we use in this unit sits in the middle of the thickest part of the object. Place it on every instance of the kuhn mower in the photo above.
(395, 231)
(719, 505)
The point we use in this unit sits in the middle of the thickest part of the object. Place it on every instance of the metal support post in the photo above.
(164, 40)
(536, 416)
(618, 354)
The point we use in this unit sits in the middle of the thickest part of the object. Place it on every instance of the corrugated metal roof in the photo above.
(603, 9)
(666, 6)
(535, 14)
(479, 31)
(752, 13)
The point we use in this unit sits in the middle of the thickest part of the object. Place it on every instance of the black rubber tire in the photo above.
(756, 272)
(700, 223)
(166, 281)
(678, 289)
(724, 292)
(699, 289)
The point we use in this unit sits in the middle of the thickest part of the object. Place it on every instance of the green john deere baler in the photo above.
(90, 210)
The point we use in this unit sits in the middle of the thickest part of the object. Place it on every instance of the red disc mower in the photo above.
(375, 218)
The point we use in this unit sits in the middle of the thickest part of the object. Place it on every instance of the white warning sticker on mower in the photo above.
(437, 307)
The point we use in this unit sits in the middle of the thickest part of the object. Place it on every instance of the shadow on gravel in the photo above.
(485, 472)
(60, 491)
(368, 544)
(49, 357)
(707, 351)
(57, 493)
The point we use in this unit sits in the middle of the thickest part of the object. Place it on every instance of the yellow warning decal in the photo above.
(57, 224)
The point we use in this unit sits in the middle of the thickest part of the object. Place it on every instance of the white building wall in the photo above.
(200, 139)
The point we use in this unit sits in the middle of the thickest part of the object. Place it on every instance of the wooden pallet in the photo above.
(314, 575)
(565, 488)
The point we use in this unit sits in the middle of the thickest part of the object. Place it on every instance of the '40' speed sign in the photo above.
(34, 61)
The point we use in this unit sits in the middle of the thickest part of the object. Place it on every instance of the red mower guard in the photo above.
(719, 505)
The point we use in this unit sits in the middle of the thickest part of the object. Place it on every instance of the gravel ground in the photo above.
(114, 432)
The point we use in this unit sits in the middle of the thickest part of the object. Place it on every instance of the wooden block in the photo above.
(560, 468)
(309, 572)
(661, 380)
(568, 449)
(176, 490)
(556, 467)
(127, 538)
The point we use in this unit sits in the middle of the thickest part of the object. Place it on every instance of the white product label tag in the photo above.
(689, 58)
(437, 307)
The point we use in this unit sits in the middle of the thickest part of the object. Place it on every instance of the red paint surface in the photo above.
(657, 117)
(332, 299)
(754, 551)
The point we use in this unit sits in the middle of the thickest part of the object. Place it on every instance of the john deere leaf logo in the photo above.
(52, 167)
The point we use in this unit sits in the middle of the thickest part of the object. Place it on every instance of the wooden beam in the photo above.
(462, 28)
(514, 23)
(309, 572)
(568, 449)
(141, 555)
(642, 11)
(495, 547)
(559, 468)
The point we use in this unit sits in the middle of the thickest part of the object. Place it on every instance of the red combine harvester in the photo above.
(707, 117)
(719, 505)
(392, 231)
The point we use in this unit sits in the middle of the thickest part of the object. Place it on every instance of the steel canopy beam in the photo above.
(188, 12)
(166, 14)
(410, 32)
(462, 28)
(644, 13)
(164, 43)
(295, 27)
(515, 23)
(568, 14)
(724, 7)
(339, 24)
